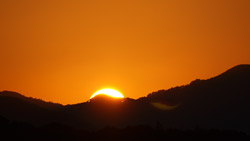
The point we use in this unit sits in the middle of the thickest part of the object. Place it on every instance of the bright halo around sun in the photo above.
(109, 92)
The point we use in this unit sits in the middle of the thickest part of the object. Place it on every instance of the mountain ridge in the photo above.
(35, 101)
(239, 68)
(219, 102)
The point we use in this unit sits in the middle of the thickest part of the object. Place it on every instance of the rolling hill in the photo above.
(221, 102)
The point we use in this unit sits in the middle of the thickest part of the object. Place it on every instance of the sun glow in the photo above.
(109, 92)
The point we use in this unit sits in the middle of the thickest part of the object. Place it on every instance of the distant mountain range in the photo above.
(221, 102)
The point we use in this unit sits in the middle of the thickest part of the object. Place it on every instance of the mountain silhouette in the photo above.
(35, 101)
(221, 102)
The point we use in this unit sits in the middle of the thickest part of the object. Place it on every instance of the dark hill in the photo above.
(221, 102)
(35, 101)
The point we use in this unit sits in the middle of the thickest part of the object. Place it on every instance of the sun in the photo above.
(109, 92)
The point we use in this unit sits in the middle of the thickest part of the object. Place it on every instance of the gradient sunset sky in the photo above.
(64, 51)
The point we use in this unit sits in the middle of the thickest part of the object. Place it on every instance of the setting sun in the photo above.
(109, 92)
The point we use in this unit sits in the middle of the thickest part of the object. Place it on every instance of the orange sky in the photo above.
(63, 51)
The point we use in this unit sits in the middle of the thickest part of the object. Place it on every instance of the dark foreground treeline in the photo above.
(55, 132)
